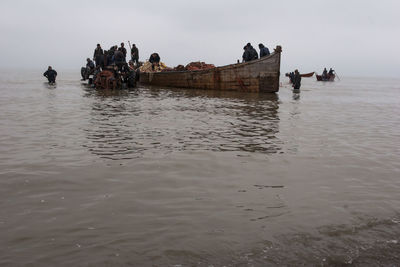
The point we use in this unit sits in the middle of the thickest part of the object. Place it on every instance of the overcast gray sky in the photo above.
(354, 37)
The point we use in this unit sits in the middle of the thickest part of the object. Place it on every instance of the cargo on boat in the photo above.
(261, 75)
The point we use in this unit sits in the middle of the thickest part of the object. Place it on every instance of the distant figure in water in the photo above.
(264, 51)
(296, 80)
(51, 75)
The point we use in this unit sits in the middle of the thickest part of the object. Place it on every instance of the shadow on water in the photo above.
(126, 124)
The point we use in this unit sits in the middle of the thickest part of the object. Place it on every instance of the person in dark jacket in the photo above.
(154, 60)
(296, 80)
(123, 50)
(264, 51)
(51, 75)
(119, 59)
(246, 54)
(249, 53)
(98, 52)
(88, 70)
(135, 54)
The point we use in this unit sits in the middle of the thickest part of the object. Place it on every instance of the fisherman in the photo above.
(325, 74)
(154, 60)
(264, 51)
(330, 72)
(296, 80)
(123, 49)
(135, 54)
(89, 69)
(97, 54)
(253, 52)
(51, 75)
(119, 59)
(249, 53)
(246, 55)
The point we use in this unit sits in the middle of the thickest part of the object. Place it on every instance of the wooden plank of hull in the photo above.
(261, 75)
(330, 79)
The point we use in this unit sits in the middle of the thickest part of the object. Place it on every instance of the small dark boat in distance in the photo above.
(330, 78)
(260, 75)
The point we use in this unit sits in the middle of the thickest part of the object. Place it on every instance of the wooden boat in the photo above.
(261, 75)
(310, 74)
(330, 78)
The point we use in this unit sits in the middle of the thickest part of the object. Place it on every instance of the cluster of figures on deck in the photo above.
(250, 53)
(109, 69)
(327, 76)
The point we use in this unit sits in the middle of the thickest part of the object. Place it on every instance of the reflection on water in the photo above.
(126, 124)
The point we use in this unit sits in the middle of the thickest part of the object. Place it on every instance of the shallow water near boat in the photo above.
(171, 177)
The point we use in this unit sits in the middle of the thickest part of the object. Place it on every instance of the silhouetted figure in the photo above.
(51, 75)
(296, 80)
(135, 54)
(123, 50)
(98, 53)
(154, 60)
(264, 51)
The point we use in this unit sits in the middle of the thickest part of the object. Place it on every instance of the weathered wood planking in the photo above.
(261, 75)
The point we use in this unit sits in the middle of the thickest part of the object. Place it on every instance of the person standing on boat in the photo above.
(253, 52)
(135, 54)
(325, 74)
(119, 58)
(264, 51)
(51, 75)
(296, 80)
(123, 50)
(330, 72)
(97, 54)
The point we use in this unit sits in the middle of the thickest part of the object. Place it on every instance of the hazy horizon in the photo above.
(355, 38)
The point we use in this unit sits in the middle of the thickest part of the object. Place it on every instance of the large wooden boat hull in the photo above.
(331, 78)
(261, 75)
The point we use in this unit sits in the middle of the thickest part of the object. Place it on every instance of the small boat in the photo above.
(329, 78)
(261, 75)
(310, 74)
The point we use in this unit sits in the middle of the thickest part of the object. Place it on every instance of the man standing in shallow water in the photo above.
(51, 75)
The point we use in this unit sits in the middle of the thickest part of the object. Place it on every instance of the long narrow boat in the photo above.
(310, 74)
(330, 78)
(261, 75)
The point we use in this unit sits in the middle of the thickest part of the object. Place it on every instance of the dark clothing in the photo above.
(123, 50)
(296, 81)
(253, 53)
(90, 64)
(135, 54)
(264, 51)
(330, 72)
(50, 75)
(249, 54)
(246, 55)
(154, 58)
(98, 52)
(119, 56)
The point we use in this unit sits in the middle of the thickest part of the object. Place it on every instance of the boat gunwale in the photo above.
(235, 65)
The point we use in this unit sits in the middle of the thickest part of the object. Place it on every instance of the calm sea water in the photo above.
(170, 177)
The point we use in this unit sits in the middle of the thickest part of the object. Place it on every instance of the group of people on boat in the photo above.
(327, 75)
(250, 53)
(110, 69)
